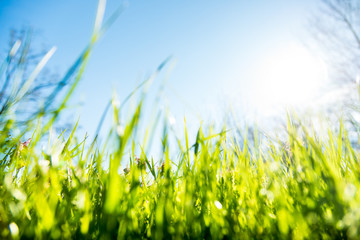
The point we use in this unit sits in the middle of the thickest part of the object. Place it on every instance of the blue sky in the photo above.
(217, 47)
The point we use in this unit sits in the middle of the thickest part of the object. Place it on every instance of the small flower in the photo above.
(14, 229)
(218, 204)
(25, 144)
(140, 163)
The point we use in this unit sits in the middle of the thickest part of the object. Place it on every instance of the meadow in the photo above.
(213, 188)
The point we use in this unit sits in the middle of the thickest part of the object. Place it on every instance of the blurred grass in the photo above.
(216, 188)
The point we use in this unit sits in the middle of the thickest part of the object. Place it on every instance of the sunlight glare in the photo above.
(290, 77)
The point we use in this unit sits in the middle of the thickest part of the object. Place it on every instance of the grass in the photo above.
(215, 188)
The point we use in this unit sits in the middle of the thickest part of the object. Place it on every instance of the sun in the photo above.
(290, 77)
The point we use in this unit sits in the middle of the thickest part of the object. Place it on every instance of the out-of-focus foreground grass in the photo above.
(215, 189)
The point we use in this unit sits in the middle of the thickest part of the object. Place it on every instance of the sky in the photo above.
(223, 52)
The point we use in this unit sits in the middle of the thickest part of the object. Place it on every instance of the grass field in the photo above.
(214, 188)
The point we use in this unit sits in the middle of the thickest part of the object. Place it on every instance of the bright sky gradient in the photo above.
(221, 49)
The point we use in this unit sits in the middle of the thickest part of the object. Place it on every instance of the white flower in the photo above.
(218, 204)
(14, 230)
